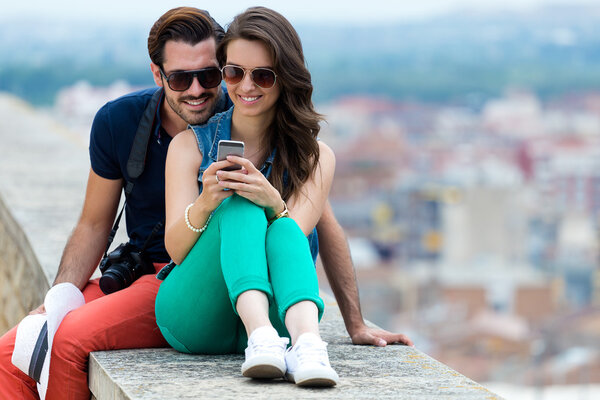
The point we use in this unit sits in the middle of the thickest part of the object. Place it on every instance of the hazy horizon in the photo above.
(459, 57)
(336, 12)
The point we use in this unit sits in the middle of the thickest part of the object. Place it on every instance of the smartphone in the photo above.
(230, 148)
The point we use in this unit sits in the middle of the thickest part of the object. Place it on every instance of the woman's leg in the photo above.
(296, 291)
(302, 317)
(293, 277)
(197, 304)
(245, 270)
(265, 354)
(244, 261)
(193, 310)
(253, 308)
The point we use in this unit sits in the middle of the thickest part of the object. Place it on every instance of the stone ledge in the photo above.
(366, 372)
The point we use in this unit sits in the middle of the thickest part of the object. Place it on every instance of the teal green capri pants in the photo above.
(239, 251)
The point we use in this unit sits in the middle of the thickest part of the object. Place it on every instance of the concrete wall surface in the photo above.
(22, 281)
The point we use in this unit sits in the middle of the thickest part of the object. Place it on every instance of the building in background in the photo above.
(482, 226)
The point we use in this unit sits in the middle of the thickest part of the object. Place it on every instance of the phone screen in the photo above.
(230, 147)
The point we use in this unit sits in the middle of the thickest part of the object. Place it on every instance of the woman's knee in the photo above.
(285, 239)
(242, 223)
(233, 213)
(242, 209)
(286, 228)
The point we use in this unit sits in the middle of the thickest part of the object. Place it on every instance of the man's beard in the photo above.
(192, 117)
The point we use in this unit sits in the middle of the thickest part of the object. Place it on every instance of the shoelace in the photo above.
(274, 348)
(312, 353)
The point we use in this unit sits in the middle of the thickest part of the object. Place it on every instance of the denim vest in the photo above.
(219, 128)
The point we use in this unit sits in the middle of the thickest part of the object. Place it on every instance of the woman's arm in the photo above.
(181, 189)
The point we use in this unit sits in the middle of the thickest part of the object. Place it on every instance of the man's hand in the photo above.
(379, 337)
(40, 310)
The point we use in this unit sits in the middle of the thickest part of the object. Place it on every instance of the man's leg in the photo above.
(14, 384)
(122, 320)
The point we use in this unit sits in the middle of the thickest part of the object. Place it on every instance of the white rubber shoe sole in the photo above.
(314, 377)
(264, 367)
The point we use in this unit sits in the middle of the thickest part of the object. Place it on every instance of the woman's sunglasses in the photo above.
(182, 80)
(262, 77)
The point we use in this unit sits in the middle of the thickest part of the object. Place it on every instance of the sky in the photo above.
(297, 11)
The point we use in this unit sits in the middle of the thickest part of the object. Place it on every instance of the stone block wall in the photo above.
(23, 283)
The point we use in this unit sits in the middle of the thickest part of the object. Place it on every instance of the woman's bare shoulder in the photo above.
(326, 154)
(183, 139)
(184, 147)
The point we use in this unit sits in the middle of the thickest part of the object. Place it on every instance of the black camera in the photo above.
(122, 267)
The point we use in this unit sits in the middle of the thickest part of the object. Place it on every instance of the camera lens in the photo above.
(122, 267)
(116, 277)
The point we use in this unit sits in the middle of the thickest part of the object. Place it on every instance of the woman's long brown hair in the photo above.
(293, 132)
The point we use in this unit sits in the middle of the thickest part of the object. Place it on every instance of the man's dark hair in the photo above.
(186, 24)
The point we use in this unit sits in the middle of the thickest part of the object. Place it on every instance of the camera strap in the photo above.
(151, 236)
(113, 232)
(137, 161)
(137, 156)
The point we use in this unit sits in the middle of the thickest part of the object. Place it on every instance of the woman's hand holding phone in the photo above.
(212, 192)
(243, 178)
(251, 184)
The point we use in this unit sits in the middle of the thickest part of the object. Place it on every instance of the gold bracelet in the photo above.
(189, 224)
(283, 214)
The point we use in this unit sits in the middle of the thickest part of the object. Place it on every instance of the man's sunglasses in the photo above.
(182, 80)
(262, 77)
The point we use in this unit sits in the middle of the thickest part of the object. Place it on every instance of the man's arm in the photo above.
(337, 264)
(88, 240)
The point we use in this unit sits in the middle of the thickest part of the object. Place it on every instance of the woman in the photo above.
(245, 276)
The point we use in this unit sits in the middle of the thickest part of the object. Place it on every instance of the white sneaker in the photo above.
(265, 354)
(308, 362)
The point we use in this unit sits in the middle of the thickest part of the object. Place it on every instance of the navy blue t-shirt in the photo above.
(113, 131)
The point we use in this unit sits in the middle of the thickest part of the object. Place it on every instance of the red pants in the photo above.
(121, 320)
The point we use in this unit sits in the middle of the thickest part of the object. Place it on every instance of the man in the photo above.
(182, 47)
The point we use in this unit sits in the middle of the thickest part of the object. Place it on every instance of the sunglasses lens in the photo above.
(180, 80)
(209, 78)
(265, 78)
(232, 74)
